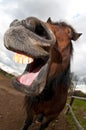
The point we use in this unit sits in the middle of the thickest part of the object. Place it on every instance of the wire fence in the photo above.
(69, 108)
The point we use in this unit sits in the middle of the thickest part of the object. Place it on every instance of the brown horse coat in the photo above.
(53, 99)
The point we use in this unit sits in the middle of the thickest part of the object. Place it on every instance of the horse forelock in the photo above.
(63, 24)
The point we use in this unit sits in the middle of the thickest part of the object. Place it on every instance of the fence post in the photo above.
(71, 102)
(78, 126)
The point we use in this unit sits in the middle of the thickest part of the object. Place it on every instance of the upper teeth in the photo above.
(22, 59)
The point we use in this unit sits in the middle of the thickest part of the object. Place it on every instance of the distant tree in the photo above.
(84, 80)
(72, 87)
(72, 84)
(74, 78)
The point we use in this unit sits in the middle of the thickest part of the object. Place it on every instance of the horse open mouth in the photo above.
(34, 74)
(32, 70)
(32, 38)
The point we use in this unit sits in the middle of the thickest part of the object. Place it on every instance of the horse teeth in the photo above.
(15, 58)
(30, 60)
(22, 59)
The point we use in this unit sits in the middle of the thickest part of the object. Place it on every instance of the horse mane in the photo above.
(63, 24)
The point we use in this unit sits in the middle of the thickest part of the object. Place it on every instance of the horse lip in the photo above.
(20, 39)
(25, 42)
(38, 84)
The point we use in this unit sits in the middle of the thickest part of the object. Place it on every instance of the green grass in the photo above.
(5, 74)
(79, 109)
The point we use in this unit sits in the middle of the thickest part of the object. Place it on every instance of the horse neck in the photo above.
(66, 54)
(60, 60)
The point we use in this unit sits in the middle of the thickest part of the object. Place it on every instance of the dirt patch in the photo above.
(12, 113)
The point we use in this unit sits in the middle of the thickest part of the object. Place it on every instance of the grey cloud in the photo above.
(39, 8)
(7, 59)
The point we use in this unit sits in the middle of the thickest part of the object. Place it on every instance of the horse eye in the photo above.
(69, 32)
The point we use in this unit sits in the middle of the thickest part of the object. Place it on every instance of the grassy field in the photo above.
(79, 108)
(5, 74)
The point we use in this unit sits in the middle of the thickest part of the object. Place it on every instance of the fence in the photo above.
(78, 126)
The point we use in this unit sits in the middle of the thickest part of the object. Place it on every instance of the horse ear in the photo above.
(72, 34)
(49, 20)
(76, 36)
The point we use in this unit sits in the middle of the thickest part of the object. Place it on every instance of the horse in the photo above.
(48, 104)
(52, 100)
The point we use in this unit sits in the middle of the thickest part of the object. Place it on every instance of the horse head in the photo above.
(47, 43)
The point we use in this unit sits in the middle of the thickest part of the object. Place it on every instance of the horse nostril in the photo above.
(23, 22)
(15, 23)
(29, 25)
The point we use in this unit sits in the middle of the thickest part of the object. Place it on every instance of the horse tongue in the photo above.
(27, 78)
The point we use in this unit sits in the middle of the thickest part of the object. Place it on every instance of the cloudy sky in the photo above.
(71, 11)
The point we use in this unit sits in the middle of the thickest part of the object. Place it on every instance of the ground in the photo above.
(12, 112)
